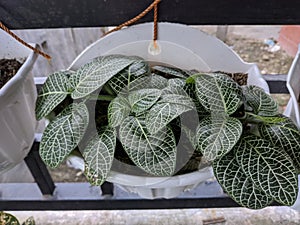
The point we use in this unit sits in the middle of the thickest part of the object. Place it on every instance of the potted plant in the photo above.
(109, 105)
(148, 110)
(8, 219)
(17, 103)
(200, 51)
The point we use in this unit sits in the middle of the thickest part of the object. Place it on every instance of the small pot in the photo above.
(17, 105)
(183, 47)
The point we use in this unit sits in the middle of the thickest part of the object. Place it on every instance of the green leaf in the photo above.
(284, 134)
(93, 75)
(176, 82)
(118, 110)
(269, 168)
(54, 91)
(175, 86)
(190, 135)
(165, 110)
(217, 134)
(63, 134)
(8, 219)
(170, 71)
(98, 155)
(264, 119)
(158, 82)
(154, 153)
(127, 79)
(29, 221)
(261, 103)
(177, 99)
(218, 93)
(237, 185)
(143, 99)
(189, 88)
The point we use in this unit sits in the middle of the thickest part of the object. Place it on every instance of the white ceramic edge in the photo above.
(131, 34)
(292, 109)
(160, 182)
(22, 72)
(195, 62)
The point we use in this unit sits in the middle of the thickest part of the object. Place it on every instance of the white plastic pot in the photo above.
(180, 46)
(292, 109)
(17, 105)
(293, 85)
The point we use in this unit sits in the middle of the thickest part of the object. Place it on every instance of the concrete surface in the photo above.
(233, 216)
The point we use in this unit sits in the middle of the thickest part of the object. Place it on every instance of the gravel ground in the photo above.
(252, 50)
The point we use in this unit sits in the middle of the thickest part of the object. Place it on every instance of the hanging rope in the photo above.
(127, 23)
(155, 23)
(3, 27)
(138, 17)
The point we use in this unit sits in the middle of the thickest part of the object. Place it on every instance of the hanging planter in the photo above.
(293, 85)
(165, 105)
(182, 47)
(17, 103)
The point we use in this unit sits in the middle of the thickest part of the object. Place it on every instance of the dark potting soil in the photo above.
(8, 68)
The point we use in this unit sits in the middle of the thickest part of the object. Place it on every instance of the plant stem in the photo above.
(108, 89)
(102, 97)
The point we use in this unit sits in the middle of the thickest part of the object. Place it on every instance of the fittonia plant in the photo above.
(254, 151)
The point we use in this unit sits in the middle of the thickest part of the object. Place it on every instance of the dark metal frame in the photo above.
(20, 14)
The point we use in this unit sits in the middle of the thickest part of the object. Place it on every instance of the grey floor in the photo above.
(234, 216)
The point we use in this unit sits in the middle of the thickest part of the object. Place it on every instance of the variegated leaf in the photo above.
(118, 110)
(191, 136)
(269, 168)
(123, 81)
(154, 153)
(175, 72)
(96, 73)
(29, 221)
(217, 134)
(237, 185)
(165, 110)
(54, 91)
(98, 155)
(175, 86)
(189, 88)
(8, 219)
(177, 99)
(261, 103)
(264, 119)
(218, 93)
(176, 82)
(143, 99)
(63, 134)
(283, 134)
(158, 81)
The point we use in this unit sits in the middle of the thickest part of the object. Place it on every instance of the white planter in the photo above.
(293, 85)
(292, 109)
(17, 105)
(183, 47)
